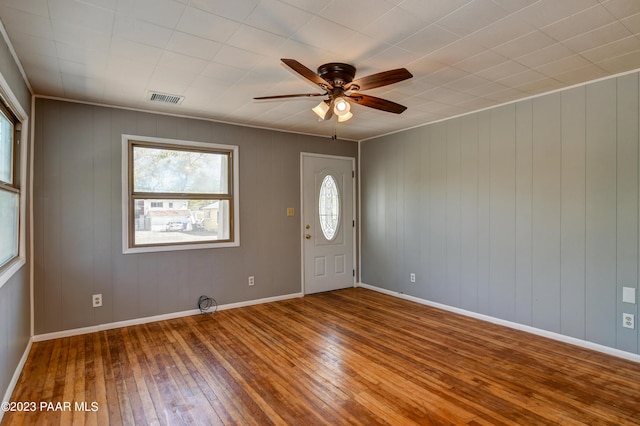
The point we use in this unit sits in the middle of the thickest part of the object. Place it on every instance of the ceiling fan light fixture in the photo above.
(321, 109)
(344, 117)
(341, 107)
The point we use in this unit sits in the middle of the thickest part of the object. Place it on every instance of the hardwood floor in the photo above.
(346, 357)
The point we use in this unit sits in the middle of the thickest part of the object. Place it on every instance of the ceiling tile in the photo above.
(355, 14)
(238, 58)
(472, 17)
(278, 17)
(622, 8)
(82, 15)
(546, 12)
(434, 10)
(160, 12)
(394, 26)
(502, 31)
(27, 23)
(545, 55)
(563, 65)
(37, 7)
(324, 34)
(136, 51)
(230, 9)
(131, 28)
(428, 40)
(80, 37)
(481, 61)
(313, 6)
(525, 44)
(598, 37)
(579, 23)
(206, 25)
(502, 70)
(191, 45)
(576, 76)
(256, 40)
(632, 23)
(612, 50)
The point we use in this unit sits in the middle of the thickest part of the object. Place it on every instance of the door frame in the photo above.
(302, 213)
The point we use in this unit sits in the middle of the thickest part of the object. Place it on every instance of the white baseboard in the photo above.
(145, 320)
(16, 376)
(549, 334)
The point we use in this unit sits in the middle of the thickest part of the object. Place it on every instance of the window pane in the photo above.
(6, 150)
(184, 172)
(181, 221)
(9, 226)
(329, 207)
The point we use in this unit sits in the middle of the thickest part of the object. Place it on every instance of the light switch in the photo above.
(291, 212)
(628, 294)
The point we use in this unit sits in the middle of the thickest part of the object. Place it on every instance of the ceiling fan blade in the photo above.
(299, 95)
(380, 79)
(377, 103)
(307, 73)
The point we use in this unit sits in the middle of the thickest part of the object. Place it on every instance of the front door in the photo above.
(328, 217)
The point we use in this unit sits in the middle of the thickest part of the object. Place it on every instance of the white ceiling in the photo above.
(465, 55)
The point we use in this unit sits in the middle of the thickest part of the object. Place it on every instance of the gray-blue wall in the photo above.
(78, 224)
(15, 313)
(527, 212)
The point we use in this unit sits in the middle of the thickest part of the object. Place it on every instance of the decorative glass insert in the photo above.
(329, 207)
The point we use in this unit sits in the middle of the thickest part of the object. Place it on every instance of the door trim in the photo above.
(302, 212)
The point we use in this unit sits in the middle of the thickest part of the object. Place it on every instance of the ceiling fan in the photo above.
(337, 81)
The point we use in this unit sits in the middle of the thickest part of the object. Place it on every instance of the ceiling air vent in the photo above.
(165, 98)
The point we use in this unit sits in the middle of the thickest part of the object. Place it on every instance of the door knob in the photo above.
(307, 236)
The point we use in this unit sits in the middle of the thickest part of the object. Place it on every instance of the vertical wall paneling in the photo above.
(528, 212)
(125, 268)
(627, 204)
(524, 188)
(502, 201)
(412, 165)
(546, 212)
(572, 255)
(453, 295)
(424, 220)
(438, 210)
(102, 202)
(601, 212)
(76, 254)
(484, 211)
(47, 215)
(469, 230)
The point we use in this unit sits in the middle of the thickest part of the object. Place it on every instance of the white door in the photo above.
(328, 222)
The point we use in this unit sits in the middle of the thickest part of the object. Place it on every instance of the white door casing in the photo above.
(327, 256)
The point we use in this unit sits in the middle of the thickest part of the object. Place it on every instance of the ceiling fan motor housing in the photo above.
(336, 73)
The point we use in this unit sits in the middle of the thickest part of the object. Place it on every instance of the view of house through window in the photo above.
(9, 191)
(180, 194)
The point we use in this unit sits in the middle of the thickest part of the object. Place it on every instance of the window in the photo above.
(9, 189)
(329, 207)
(179, 195)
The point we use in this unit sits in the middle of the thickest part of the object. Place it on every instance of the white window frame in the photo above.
(126, 244)
(12, 267)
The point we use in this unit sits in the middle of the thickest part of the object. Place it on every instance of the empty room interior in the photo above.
(288, 212)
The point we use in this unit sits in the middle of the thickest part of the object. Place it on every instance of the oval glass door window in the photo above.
(329, 207)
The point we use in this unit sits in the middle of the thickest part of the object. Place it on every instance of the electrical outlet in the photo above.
(412, 277)
(97, 300)
(252, 280)
(628, 321)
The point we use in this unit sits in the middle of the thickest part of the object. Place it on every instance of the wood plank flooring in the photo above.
(346, 357)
